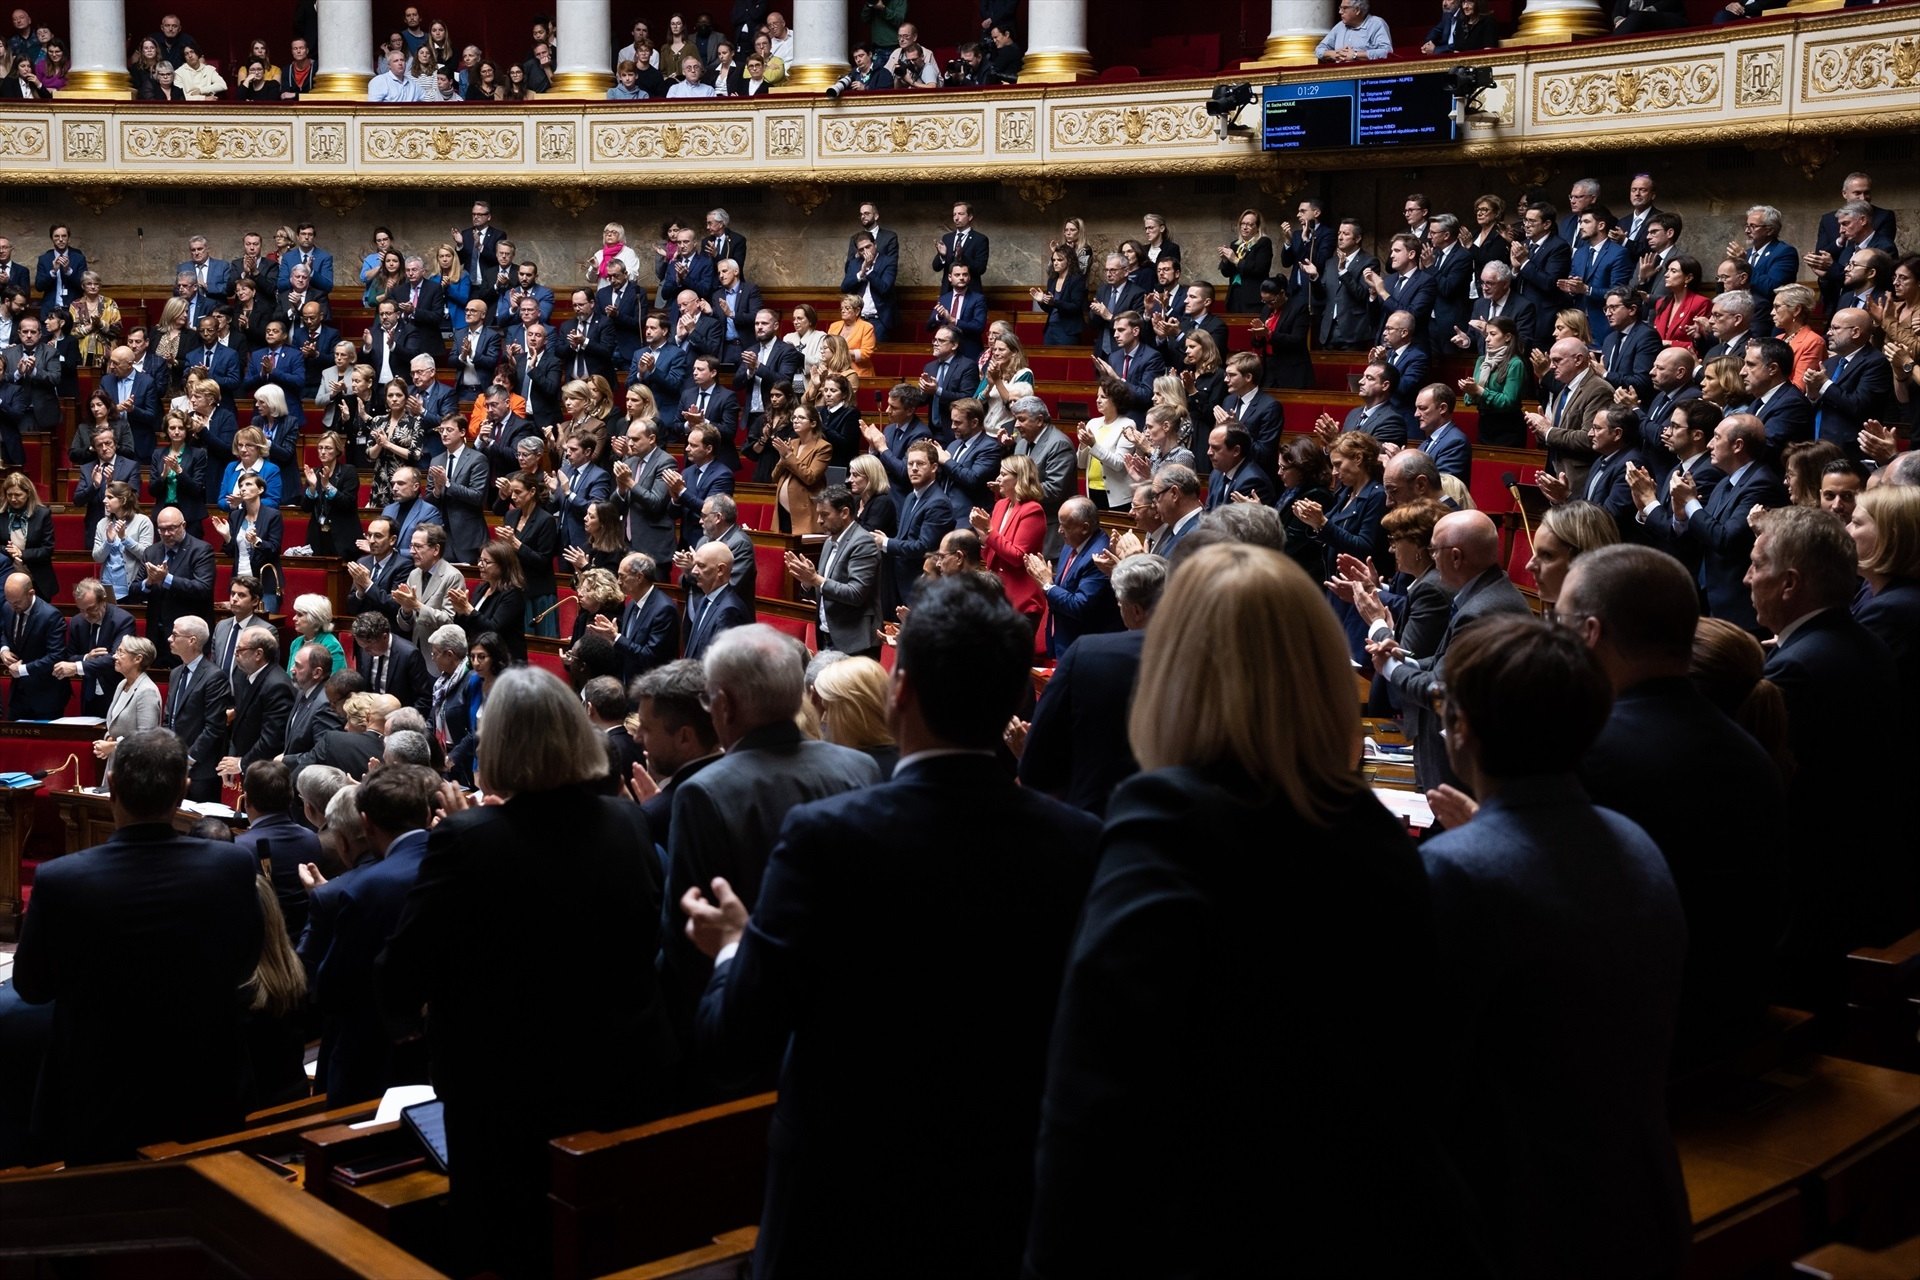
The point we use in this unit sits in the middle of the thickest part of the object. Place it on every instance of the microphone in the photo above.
(1512, 482)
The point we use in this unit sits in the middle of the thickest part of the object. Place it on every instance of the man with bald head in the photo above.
(135, 396)
(1719, 527)
(718, 606)
(1854, 385)
(1466, 551)
(178, 577)
(1576, 393)
(34, 643)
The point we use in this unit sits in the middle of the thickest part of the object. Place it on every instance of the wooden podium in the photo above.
(29, 746)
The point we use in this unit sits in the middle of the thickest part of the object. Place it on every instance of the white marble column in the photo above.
(1558, 22)
(346, 50)
(820, 47)
(98, 49)
(583, 65)
(1294, 29)
(1056, 43)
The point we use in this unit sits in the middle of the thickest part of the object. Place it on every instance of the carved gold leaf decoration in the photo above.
(730, 140)
(463, 143)
(1117, 126)
(1041, 192)
(84, 140)
(1018, 131)
(1878, 64)
(574, 201)
(1625, 90)
(326, 144)
(340, 200)
(922, 135)
(207, 142)
(27, 141)
(806, 196)
(96, 198)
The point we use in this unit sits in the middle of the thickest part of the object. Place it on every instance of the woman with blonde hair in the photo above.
(1885, 526)
(1793, 308)
(250, 458)
(597, 593)
(1564, 532)
(1170, 392)
(172, 327)
(452, 277)
(1015, 529)
(335, 384)
(613, 248)
(873, 494)
(1721, 384)
(26, 532)
(801, 473)
(852, 699)
(835, 359)
(584, 406)
(858, 333)
(1269, 760)
(1005, 378)
(96, 321)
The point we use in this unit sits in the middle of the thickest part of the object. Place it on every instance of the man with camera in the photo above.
(913, 65)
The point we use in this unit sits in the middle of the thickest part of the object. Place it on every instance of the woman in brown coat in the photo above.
(801, 473)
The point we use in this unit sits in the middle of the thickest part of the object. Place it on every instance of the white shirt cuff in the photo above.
(726, 954)
(1381, 630)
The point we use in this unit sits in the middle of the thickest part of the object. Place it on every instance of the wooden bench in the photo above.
(1851, 1262)
(1883, 1005)
(273, 1133)
(658, 1190)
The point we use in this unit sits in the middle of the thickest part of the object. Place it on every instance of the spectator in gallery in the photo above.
(1357, 37)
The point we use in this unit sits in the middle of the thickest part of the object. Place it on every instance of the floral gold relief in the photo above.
(1088, 127)
(230, 143)
(730, 140)
(326, 144)
(1630, 90)
(84, 141)
(1848, 67)
(896, 135)
(443, 143)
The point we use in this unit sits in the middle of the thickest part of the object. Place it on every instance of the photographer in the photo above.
(867, 74)
(968, 68)
(913, 65)
(1004, 58)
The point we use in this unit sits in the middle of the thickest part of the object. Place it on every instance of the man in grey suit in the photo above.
(460, 482)
(725, 817)
(1466, 551)
(640, 491)
(846, 582)
(1051, 451)
(1562, 950)
(1580, 393)
(422, 598)
(719, 523)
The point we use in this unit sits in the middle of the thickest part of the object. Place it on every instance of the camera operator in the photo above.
(1004, 59)
(913, 65)
(968, 68)
(867, 74)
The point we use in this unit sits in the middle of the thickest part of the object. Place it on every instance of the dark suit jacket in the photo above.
(311, 719)
(1450, 451)
(1451, 306)
(923, 521)
(1532, 331)
(106, 913)
(723, 611)
(702, 483)
(379, 593)
(723, 414)
(1125, 296)
(97, 677)
(1413, 681)
(1894, 616)
(1863, 390)
(1606, 487)
(1077, 748)
(198, 716)
(974, 255)
(1537, 279)
(1249, 479)
(588, 1002)
(542, 390)
(34, 398)
(282, 844)
(1412, 292)
(191, 591)
(260, 710)
(1169, 943)
(1298, 250)
(672, 366)
(724, 824)
(649, 635)
(881, 281)
(972, 465)
(795, 989)
(1261, 415)
(1658, 528)
(782, 365)
(969, 321)
(1787, 416)
(1066, 312)
(1344, 304)
(1384, 424)
(408, 340)
(1719, 529)
(1832, 672)
(40, 642)
(1562, 942)
(407, 676)
(958, 381)
(1628, 356)
(1732, 887)
(432, 305)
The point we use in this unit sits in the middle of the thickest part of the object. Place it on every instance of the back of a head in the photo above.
(1816, 546)
(268, 786)
(1903, 470)
(1140, 580)
(674, 690)
(318, 784)
(408, 746)
(536, 736)
(149, 776)
(966, 653)
(1253, 523)
(1645, 600)
(854, 693)
(398, 797)
(1286, 717)
(1532, 693)
(762, 672)
(1727, 666)
(604, 696)
(1474, 535)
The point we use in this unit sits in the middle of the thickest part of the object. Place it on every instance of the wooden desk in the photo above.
(17, 806)
(87, 820)
(31, 817)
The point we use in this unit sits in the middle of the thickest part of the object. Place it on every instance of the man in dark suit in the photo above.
(1854, 385)
(718, 607)
(279, 364)
(391, 664)
(685, 268)
(1563, 937)
(1344, 301)
(280, 846)
(1630, 347)
(1766, 369)
(1311, 241)
(421, 299)
(648, 632)
(676, 732)
(1615, 433)
(34, 645)
(216, 359)
(501, 432)
(294, 301)
(1452, 266)
(971, 461)
(1686, 441)
(537, 376)
(722, 242)
(1076, 749)
(1233, 469)
(29, 386)
(846, 582)
(1498, 297)
(178, 579)
(1373, 415)
(106, 913)
(57, 275)
(213, 276)
(622, 304)
(1834, 674)
(1466, 551)
(1718, 527)
(1131, 360)
(460, 484)
(887, 241)
(1636, 609)
(1079, 595)
(390, 345)
(765, 362)
(1116, 296)
(1771, 263)
(705, 403)
(1404, 287)
(349, 927)
(1541, 260)
(946, 379)
(263, 696)
(476, 355)
(702, 478)
(1579, 394)
(198, 698)
(373, 575)
(889, 443)
(779, 988)
(962, 246)
(1440, 437)
(478, 245)
(92, 635)
(962, 307)
(586, 342)
(1405, 361)
(1671, 382)
(1858, 186)
(315, 340)
(660, 365)
(641, 492)
(927, 512)
(312, 715)
(870, 277)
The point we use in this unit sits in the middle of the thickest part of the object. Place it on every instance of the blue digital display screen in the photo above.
(1410, 109)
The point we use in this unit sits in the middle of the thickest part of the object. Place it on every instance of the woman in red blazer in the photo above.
(1673, 315)
(1016, 529)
